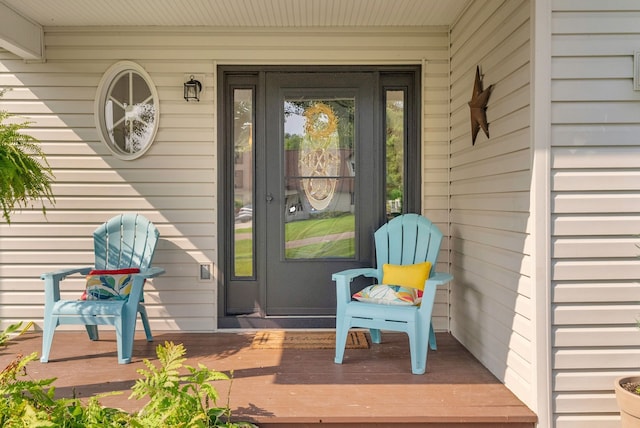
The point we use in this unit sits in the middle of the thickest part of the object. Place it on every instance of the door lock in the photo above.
(269, 197)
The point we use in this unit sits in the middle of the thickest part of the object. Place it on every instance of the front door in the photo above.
(319, 186)
(309, 189)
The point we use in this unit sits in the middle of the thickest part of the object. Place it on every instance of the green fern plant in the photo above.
(25, 174)
(13, 330)
(177, 400)
(26, 402)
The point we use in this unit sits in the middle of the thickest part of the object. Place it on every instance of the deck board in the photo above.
(297, 387)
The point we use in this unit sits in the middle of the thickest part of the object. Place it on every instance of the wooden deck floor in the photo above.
(298, 388)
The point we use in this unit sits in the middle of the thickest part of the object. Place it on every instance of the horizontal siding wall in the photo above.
(435, 171)
(595, 161)
(491, 300)
(174, 183)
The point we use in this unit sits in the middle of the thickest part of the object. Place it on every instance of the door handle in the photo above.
(269, 197)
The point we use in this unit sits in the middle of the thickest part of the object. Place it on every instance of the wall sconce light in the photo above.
(192, 89)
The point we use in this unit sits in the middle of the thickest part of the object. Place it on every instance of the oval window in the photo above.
(126, 110)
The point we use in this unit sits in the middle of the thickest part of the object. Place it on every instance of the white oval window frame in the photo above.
(112, 73)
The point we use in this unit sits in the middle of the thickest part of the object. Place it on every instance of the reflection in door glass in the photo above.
(243, 248)
(395, 136)
(319, 178)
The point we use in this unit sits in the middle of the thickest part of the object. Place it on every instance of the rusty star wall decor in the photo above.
(478, 107)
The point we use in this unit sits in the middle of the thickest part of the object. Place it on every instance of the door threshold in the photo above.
(251, 322)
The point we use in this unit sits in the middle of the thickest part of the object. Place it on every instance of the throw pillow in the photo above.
(412, 276)
(389, 295)
(109, 284)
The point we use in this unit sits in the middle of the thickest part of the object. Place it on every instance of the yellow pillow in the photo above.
(412, 276)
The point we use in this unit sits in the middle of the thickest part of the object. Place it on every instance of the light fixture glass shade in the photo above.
(192, 90)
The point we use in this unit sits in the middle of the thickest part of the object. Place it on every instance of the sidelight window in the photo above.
(243, 193)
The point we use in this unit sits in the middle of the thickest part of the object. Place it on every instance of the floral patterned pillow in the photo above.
(389, 295)
(109, 284)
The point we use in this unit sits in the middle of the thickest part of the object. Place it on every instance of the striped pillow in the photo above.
(389, 295)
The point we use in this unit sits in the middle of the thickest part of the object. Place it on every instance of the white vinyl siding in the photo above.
(435, 171)
(175, 183)
(491, 299)
(595, 203)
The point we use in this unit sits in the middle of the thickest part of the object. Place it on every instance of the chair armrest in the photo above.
(429, 295)
(349, 274)
(52, 285)
(343, 281)
(439, 278)
(152, 272)
(135, 295)
(59, 275)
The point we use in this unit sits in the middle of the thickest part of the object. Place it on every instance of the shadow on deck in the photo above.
(297, 387)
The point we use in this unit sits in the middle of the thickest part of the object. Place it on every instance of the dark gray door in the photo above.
(312, 161)
(322, 186)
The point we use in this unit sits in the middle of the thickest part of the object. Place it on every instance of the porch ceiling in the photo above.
(23, 22)
(239, 13)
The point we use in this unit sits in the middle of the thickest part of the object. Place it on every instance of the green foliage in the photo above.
(13, 328)
(292, 142)
(319, 227)
(342, 248)
(25, 174)
(395, 152)
(175, 399)
(27, 402)
(243, 260)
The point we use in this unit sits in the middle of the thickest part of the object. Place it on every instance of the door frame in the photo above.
(386, 75)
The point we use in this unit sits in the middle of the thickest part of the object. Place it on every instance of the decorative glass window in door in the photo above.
(126, 110)
(319, 178)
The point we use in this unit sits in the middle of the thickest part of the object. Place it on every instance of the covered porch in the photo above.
(479, 194)
(296, 387)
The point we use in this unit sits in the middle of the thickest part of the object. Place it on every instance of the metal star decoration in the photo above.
(478, 107)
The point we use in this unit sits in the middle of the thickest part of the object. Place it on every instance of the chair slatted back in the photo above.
(405, 240)
(125, 241)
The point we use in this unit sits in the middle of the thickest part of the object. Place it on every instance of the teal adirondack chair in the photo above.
(406, 240)
(125, 241)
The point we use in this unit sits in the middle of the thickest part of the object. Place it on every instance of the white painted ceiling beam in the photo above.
(20, 35)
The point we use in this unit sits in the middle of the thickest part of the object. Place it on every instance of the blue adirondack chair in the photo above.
(125, 241)
(405, 240)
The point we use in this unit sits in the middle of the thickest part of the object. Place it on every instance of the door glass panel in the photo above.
(243, 125)
(319, 177)
(395, 140)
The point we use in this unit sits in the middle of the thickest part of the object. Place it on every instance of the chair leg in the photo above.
(125, 333)
(92, 331)
(49, 329)
(124, 349)
(342, 330)
(145, 322)
(418, 343)
(376, 337)
(432, 338)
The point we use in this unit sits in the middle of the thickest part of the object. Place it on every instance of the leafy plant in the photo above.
(175, 400)
(31, 403)
(13, 328)
(179, 400)
(25, 174)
